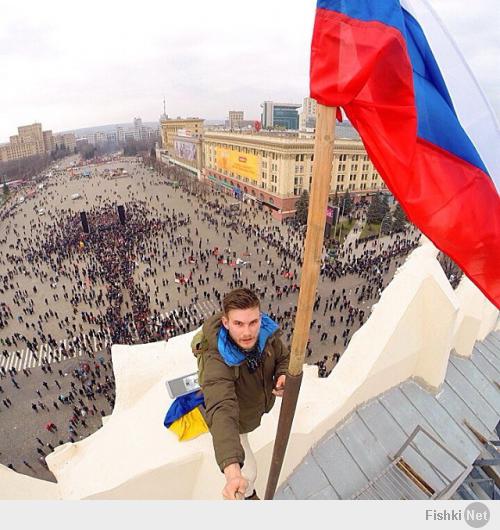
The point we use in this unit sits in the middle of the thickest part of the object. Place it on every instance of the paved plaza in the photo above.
(66, 297)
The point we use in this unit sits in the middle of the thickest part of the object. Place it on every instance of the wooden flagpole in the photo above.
(316, 220)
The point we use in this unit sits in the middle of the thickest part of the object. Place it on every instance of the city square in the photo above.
(60, 345)
(249, 252)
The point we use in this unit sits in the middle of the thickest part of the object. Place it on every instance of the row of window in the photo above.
(299, 169)
(298, 157)
(352, 187)
(303, 158)
(274, 178)
(354, 158)
(298, 186)
(297, 178)
(354, 167)
(262, 185)
(246, 150)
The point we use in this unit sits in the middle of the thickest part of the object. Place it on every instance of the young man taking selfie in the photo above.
(242, 369)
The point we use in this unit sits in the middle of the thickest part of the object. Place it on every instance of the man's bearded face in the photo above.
(243, 326)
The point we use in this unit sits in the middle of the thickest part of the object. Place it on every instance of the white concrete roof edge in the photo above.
(387, 350)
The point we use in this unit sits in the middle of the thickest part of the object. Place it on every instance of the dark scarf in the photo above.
(253, 358)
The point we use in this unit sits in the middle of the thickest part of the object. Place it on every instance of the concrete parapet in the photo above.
(410, 333)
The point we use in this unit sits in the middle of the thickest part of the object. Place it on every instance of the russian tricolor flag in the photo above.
(423, 119)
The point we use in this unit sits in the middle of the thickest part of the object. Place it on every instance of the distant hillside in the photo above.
(80, 133)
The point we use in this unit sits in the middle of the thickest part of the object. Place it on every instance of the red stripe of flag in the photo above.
(365, 68)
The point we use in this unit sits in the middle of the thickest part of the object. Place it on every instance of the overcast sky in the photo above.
(78, 64)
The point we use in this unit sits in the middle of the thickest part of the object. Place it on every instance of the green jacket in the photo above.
(235, 399)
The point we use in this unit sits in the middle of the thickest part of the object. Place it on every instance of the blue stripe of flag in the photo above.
(436, 117)
(387, 12)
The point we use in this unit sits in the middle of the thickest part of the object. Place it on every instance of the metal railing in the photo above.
(400, 481)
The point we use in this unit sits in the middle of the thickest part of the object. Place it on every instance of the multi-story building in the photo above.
(30, 134)
(282, 115)
(120, 135)
(82, 142)
(111, 137)
(15, 151)
(100, 138)
(170, 128)
(66, 140)
(137, 132)
(307, 118)
(235, 119)
(29, 141)
(187, 153)
(140, 131)
(182, 143)
(152, 134)
(48, 141)
(274, 170)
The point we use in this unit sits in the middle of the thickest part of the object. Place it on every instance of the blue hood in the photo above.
(230, 352)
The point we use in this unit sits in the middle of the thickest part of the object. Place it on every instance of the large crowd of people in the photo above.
(151, 278)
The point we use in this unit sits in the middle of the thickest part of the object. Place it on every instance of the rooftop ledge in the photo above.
(418, 321)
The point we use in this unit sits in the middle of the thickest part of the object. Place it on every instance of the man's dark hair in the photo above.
(240, 299)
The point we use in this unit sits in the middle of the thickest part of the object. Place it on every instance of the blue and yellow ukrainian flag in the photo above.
(184, 416)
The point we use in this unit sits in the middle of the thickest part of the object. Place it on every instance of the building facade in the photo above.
(16, 151)
(171, 127)
(66, 141)
(187, 152)
(49, 141)
(283, 115)
(120, 135)
(111, 137)
(82, 143)
(273, 170)
(31, 140)
(30, 134)
(137, 123)
(182, 144)
(307, 118)
(137, 132)
(235, 119)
